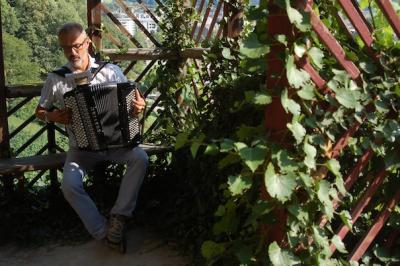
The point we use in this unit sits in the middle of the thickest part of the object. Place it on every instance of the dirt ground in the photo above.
(144, 249)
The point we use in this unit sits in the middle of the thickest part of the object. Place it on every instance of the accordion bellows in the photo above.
(102, 115)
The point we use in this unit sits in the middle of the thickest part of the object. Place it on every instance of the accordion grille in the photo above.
(133, 123)
(77, 124)
(88, 124)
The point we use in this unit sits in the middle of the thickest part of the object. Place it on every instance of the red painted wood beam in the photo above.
(305, 64)
(214, 20)
(390, 14)
(344, 139)
(355, 173)
(361, 204)
(332, 44)
(357, 21)
(350, 179)
(379, 222)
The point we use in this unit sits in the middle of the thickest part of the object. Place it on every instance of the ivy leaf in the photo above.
(321, 239)
(299, 212)
(346, 219)
(238, 184)
(316, 55)
(226, 53)
(228, 160)
(220, 211)
(279, 186)
(239, 146)
(211, 149)
(252, 48)
(227, 145)
(368, 67)
(297, 130)
(323, 196)
(307, 180)
(281, 257)
(340, 185)
(296, 78)
(339, 244)
(253, 157)
(181, 140)
(310, 152)
(296, 17)
(259, 209)
(285, 162)
(282, 39)
(196, 145)
(348, 99)
(306, 92)
(299, 50)
(244, 254)
(334, 166)
(210, 249)
(289, 105)
(194, 148)
(258, 98)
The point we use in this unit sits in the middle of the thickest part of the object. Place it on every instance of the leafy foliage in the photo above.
(224, 125)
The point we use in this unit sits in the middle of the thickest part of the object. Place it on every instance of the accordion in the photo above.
(102, 115)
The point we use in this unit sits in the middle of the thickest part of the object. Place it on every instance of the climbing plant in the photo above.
(247, 176)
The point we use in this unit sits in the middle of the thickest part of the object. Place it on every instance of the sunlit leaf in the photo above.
(281, 257)
(238, 184)
(279, 186)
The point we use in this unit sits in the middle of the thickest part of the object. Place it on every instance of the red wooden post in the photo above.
(94, 24)
(4, 138)
(275, 116)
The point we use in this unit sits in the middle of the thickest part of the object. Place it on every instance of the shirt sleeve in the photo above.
(116, 74)
(47, 96)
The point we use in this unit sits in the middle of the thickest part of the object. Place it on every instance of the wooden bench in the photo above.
(14, 166)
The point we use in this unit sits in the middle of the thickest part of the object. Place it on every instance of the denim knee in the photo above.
(139, 156)
(72, 180)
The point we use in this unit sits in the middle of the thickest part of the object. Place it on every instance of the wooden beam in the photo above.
(4, 140)
(52, 161)
(94, 23)
(379, 222)
(153, 54)
(19, 91)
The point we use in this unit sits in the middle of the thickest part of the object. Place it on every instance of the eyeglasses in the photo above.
(75, 47)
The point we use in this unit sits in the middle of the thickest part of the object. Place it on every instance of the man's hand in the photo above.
(139, 104)
(62, 116)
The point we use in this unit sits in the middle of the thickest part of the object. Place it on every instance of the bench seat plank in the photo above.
(40, 162)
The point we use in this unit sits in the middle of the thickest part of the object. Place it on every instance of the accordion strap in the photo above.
(63, 71)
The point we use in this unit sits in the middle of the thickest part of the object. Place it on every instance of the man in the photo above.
(75, 43)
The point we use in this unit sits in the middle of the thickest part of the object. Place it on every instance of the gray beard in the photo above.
(77, 64)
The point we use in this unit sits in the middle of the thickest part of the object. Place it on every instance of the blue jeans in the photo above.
(75, 168)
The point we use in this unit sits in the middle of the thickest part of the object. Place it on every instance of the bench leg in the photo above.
(8, 185)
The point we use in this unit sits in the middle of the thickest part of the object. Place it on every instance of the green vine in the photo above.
(221, 130)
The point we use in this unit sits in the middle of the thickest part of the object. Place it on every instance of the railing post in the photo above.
(94, 25)
(275, 116)
(51, 139)
(235, 19)
(4, 138)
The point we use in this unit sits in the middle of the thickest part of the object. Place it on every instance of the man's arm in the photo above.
(62, 116)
